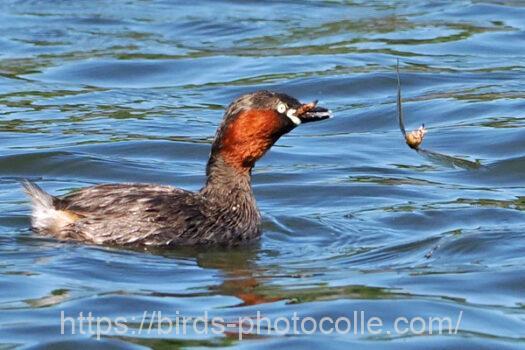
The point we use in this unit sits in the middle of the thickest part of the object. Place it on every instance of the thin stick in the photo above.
(413, 138)
(399, 108)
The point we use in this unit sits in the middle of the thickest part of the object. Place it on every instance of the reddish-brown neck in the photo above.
(248, 137)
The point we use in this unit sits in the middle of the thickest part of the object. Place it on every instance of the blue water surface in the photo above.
(354, 221)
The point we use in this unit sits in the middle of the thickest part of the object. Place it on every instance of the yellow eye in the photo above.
(281, 107)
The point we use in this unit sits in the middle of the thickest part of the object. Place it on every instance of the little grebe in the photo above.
(222, 212)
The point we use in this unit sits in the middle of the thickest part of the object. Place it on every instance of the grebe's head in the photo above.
(254, 122)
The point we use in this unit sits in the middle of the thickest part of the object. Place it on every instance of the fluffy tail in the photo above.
(39, 198)
(45, 216)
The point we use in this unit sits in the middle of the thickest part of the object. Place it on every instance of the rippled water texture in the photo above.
(132, 91)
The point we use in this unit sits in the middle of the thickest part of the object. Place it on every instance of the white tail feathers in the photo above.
(45, 217)
(38, 197)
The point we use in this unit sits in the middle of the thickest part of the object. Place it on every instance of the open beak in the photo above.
(310, 112)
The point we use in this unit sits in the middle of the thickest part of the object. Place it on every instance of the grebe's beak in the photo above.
(311, 112)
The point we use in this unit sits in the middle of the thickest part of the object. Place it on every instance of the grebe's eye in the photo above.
(281, 107)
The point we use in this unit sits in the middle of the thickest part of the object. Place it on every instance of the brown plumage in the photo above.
(222, 212)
